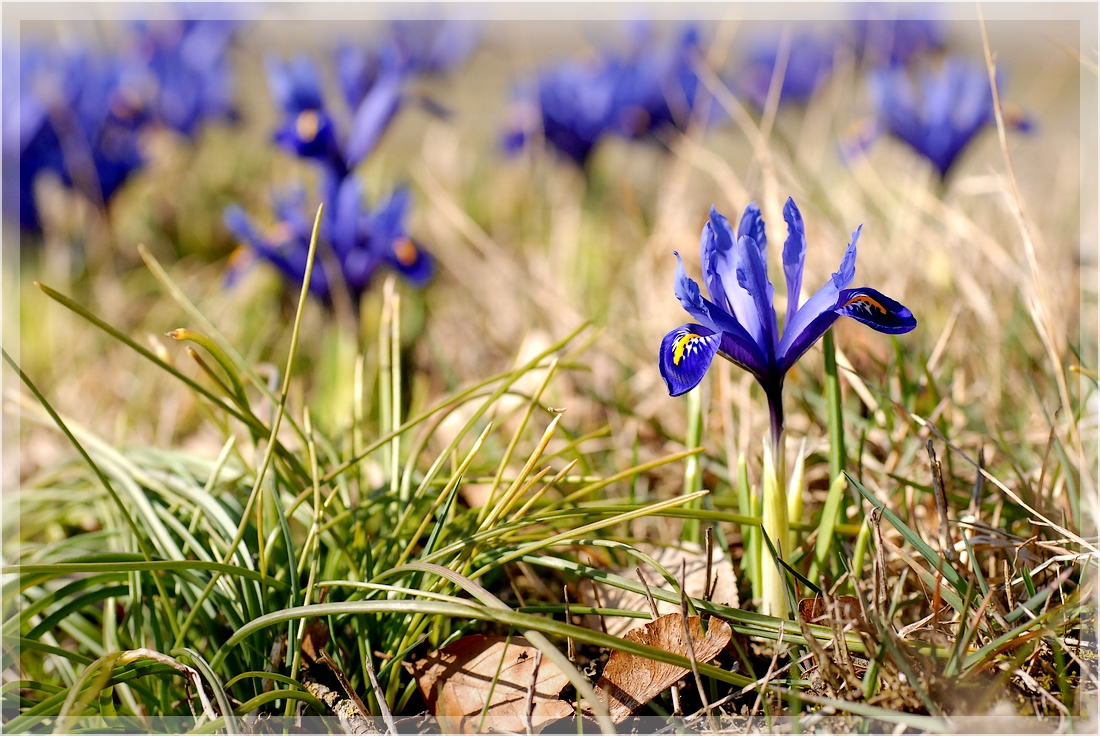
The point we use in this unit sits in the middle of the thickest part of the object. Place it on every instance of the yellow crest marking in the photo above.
(307, 125)
(405, 251)
(864, 299)
(681, 345)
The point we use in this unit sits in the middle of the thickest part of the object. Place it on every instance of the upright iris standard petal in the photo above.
(740, 324)
(356, 71)
(939, 111)
(720, 251)
(373, 117)
(823, 300)
(686, 353)
(752, 276)
(345, 218)
(752, 225)
(794, 256)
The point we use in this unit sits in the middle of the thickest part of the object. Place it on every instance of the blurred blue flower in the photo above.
(575, 103)
(940, 113)
(362, 241)
(307, 129)
(634, 95)
(739, 322)
(431, 46)
(373, 86)
(181, 69)
(809, 64)
(895, 34)
(81, 114)
(75, 121)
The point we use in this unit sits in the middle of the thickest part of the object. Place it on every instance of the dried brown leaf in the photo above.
(629, 681)
(315, 639)
(723, 580)
(457, 680)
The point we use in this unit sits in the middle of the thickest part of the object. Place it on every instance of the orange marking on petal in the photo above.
(864, 299)
(279, 233)
(307, 125)
(239, 257)
(634, 120)
(406, 252)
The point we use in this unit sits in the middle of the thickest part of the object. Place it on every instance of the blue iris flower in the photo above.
(81, 114)
(362, 240)
(373, 87)
(894, 35)
(76, 121)
(307, 129)
(941, 113)
(432, 46)
(739, 322)
(574, 100)
(181, 69)
(809, 64)
(632, 95)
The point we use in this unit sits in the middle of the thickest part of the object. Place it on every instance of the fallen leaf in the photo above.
(723, 580)
(814, 610)
(629, 681)
(315, 639)
(457, 681)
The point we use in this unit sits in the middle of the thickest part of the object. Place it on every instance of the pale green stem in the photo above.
(693, 475)
(795, 496)
(774, 521)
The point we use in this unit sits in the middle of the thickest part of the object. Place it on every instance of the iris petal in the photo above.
(290, 257)
(372, 117)
(344, 227)
(686, 353)
(876, 310)
(752, 275)
(866, 305)
(720, 252)
(412, 261)
(823, 300)
(715, 255)
(752, 225)
(390, 217)
(808, 334)
(794, 256)
(743, 348)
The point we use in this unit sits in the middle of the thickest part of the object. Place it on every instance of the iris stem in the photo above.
(837, 456)
(774, 522)
(833, 402)
(693, 472)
